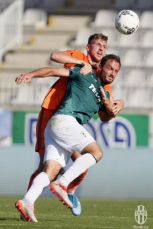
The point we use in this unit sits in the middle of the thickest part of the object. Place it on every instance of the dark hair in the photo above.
(97, 36)
(110, 57)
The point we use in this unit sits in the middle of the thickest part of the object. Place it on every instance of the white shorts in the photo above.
(63, 136)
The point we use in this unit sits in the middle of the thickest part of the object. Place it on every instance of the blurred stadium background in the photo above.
(30, 31)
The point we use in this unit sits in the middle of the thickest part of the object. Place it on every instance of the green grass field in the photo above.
(97, 213)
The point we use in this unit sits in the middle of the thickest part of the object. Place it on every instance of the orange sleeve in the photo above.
(76, 54)
(108, 88)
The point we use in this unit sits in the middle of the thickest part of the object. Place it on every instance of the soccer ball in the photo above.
(127, 22)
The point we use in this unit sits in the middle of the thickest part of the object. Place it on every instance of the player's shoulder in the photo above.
(76, 53)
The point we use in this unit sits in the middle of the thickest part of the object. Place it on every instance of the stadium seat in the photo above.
(149, 79)
(146, 19)
(96, 4)
(146, 39)
(117, 92)
(112, 35)
(120, 4)
(52, 4)
(148, 60)
(25, 95)
(132, 58)
(81, 37)
(111, 50)
(35, 17)
(25, 60)
(137, 98)
(144, 4)
(149, 86)
(135, 77)
(40, 88)
(4, 4)
(118, 86)
(129, 41)
(104, 18)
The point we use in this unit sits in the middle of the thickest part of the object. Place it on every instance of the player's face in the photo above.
(109, 71)
(96, 50)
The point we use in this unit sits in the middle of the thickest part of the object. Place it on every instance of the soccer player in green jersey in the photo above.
(65, 133)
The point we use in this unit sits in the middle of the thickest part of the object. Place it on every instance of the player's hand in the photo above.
(23, 78)
(115, 109)
(119, 104)
(87, 68)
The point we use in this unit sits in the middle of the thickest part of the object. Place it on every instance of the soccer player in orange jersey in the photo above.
(110, 68)
(96, 49)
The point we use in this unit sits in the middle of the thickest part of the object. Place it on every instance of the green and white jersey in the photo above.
(83, 98)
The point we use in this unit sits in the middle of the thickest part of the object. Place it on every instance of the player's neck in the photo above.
(93, 63)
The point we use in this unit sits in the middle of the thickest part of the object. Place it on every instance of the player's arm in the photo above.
(64, 58)
(109, 107)
(118, 104)
(113, 107)
(41, 73)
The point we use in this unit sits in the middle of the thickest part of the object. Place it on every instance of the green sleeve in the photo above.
(75, 71)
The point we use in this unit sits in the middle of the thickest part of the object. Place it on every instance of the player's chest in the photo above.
(91, 87)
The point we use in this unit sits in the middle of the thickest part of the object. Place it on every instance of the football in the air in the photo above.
(127, 22)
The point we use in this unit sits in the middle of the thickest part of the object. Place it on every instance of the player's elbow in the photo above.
(54, 56)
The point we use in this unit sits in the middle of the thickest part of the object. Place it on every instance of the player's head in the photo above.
(110, 66)
(96, 47)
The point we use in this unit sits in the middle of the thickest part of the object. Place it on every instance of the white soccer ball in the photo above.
(127, 22)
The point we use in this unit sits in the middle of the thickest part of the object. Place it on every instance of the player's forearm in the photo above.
(63, 58)
(109, 106)
(41, 73)
(105, 117)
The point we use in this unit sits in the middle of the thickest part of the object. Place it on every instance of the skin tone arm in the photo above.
(63, 58)
(41, 73)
